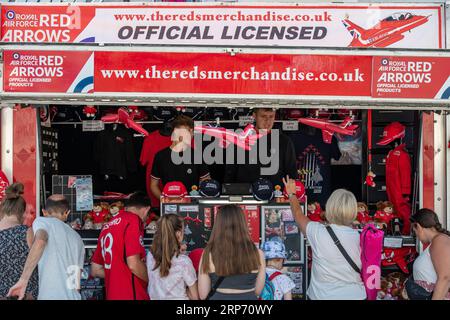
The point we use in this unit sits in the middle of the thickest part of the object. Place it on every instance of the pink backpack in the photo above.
(371, 242)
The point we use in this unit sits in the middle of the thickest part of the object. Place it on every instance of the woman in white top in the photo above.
(432, 268)
(332, 277)
(171, 274)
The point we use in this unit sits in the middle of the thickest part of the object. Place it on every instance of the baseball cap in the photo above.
(138, 113)
(294, 114)
(274, 250)
(174, 189)
(164, 113)
(320, 113)
(262, 189)
(210, 188)
(391, 132)
(299, 190)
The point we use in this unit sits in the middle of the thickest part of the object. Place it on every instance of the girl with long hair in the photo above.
(171, 273)
(231, 267)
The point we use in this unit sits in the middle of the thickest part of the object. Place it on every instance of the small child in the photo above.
(275, 254)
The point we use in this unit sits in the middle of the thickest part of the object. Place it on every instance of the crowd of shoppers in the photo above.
(45, 261)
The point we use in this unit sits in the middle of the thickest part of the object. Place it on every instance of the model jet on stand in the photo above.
(329, 129)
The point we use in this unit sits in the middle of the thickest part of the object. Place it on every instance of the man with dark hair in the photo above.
(120, 254)
(176, 163)
(59, 252)
(282, 160)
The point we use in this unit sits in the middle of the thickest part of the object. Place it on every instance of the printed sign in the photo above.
(337, 25)
(208, 73)
(85, 198)
(411, 77)
(48, 71)
(222, 73)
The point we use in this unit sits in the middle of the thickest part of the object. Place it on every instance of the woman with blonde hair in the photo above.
(171, 273)
(332, 276)
(15, 242)
(231, 267)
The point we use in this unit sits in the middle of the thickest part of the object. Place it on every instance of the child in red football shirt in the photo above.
(120, 254)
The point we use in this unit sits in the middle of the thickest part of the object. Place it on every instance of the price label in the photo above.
(393, 242)
(93, 125)
(290, 125)
(189, 209)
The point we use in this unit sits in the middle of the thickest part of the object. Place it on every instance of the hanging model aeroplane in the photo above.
(125, 118)
(329, 129)
(244, 140)
(388, 31)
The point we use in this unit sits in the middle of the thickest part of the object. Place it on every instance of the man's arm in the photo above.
(299, 216)
(97, 270)
(35, 254)
(154, 187)
(137, 267)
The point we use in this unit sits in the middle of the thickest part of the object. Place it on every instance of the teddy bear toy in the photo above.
(98, 216)
(115, 208)
(363, 216)
(315, 212)
(384, 214)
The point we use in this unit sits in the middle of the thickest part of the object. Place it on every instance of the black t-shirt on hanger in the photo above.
(188, 173)
(114, 151)
(314, 163)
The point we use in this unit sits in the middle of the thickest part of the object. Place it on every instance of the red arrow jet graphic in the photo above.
(388, 31)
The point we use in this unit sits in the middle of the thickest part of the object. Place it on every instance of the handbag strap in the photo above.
(215, 287)
(342, 250)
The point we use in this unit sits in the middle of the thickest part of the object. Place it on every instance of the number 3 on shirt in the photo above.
(107, 243)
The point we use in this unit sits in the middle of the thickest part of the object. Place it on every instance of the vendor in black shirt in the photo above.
(284, 151)
(176, 163)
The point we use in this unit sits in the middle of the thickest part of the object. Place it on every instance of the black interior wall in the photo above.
(348, 177)
(76, 157)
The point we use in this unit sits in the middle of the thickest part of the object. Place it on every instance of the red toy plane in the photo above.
(388, 31)
(244, 140)
(126, 119)
(328, 129)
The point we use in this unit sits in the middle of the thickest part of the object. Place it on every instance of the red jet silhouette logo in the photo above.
(388, 31)
(244, 140)
(125, 118)
(329, 129)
